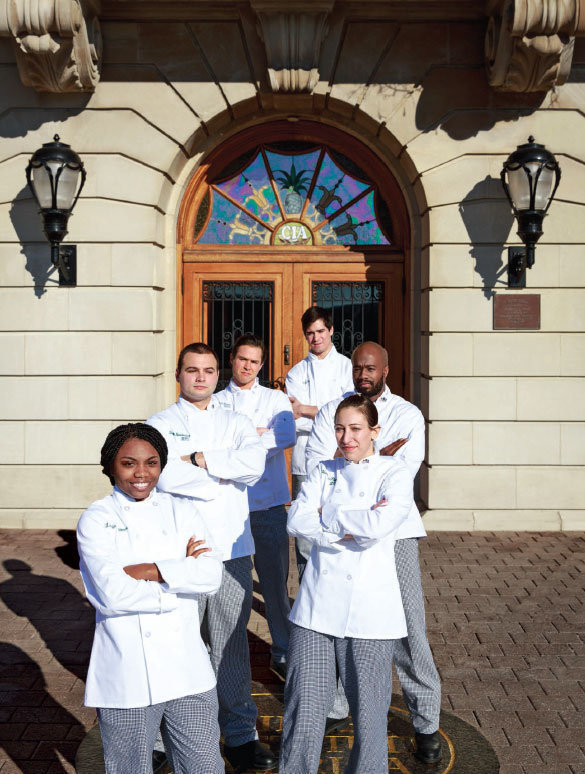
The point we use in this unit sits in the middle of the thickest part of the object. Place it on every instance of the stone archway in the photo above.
(352, 259)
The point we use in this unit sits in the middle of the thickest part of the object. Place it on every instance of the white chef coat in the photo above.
(349, 587)
(314, 382)
(271, 409)
(235, 460)
(147, 647)
(397, 419)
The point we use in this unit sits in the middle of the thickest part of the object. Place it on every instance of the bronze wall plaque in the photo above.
(516, 312)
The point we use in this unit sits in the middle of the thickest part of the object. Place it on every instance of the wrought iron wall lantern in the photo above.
(530, 177)
(55, 175)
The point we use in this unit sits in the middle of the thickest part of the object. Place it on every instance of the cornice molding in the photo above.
(57, 43)
(292, 41)
(529, 43)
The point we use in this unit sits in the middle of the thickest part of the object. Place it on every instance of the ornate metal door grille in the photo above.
(231, 309)
(358, 311)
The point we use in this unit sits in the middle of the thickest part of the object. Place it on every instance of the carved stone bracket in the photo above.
(529, 43)
(57, 42)
(292, 38)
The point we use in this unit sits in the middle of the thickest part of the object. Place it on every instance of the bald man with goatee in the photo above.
(402, 434)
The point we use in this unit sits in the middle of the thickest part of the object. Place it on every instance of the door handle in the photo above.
(286, 354)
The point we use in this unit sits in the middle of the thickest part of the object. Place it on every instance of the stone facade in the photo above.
(506, 423)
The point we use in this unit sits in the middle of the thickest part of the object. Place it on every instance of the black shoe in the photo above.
(250, 756)
(279, 669)
(335, 724)
(159, 762)
(428, 747)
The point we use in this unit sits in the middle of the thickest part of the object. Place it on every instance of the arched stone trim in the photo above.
(379, 140)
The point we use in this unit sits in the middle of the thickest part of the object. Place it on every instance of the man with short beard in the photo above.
(402, 434)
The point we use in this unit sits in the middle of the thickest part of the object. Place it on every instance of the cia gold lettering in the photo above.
(395, 765)
(392, 744)
(335, 765)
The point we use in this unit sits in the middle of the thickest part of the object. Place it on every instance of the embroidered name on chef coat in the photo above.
(181, 436)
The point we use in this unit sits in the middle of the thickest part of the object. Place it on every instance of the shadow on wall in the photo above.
(27, 224)
(462, 103)
(488, 221)
(31, 110)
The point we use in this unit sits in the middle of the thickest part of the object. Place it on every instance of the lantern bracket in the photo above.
(516, 267)
(67, 265)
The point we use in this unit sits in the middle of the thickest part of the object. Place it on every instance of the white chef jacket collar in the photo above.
(125, 499)
(331, 354)
(385, 396)
(185, 405)
(233, 387)
(365, 461)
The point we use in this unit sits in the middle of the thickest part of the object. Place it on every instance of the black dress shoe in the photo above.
(250, 756)
(428, 747)
(159, 762)
(335, 724)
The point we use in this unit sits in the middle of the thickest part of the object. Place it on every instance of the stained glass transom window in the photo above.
(293, 193)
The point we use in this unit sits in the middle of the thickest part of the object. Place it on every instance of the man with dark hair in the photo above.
(214, 455)
(402, 434)
(197, 348)
(272, 417)
(323, 375)
(315, 314)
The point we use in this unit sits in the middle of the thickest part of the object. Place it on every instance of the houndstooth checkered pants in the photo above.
(224, 617)
(189, 728)
(365, 668)
(413, 659)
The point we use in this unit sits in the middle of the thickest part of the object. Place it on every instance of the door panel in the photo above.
(367, 303)
(223, 301)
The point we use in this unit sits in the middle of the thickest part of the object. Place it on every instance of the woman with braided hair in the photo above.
(145, 557)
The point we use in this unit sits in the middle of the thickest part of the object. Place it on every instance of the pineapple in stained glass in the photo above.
(295, 185)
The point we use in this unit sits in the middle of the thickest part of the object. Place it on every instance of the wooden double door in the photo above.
(225, 295)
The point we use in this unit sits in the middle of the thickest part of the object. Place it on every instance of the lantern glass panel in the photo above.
(544, 188)
(42, 185)
(518, 183)
(66, 185)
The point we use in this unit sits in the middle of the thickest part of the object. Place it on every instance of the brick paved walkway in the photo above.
(506, 621)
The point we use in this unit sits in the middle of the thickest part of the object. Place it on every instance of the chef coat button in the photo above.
(147, 634)
(164, 532)
(126, 507)
(324, 572)
(338, 490)
(361, 494)
(349, 577)
(155, 504)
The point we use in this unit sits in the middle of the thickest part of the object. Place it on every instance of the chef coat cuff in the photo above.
(167, 599)
(328, 515)
(332, 529)
(173, 573)
(365, 542)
